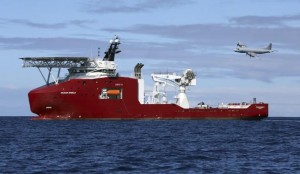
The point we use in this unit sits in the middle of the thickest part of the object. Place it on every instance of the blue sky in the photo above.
(165, 35)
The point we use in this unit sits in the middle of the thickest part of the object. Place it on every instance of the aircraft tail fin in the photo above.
(239, 44)
(269, 47)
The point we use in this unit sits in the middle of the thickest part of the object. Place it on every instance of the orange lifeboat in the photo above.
(113, 92)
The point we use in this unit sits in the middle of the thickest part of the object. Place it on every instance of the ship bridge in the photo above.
(55, 62)
(78, 67)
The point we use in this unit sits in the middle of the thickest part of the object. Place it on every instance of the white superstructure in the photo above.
(78, 67)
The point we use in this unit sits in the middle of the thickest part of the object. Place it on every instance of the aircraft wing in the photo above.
(251, 54)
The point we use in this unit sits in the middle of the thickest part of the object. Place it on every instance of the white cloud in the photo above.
(41, 25)
(133, 6)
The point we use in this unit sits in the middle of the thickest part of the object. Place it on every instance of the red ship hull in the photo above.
(79, 99)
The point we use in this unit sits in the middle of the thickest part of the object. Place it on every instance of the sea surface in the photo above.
(158, 146)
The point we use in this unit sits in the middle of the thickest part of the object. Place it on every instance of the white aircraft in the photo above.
(241, 48)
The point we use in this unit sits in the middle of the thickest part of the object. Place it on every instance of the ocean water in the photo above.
(173, 146)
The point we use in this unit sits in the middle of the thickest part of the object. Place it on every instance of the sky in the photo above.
(165, 35)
